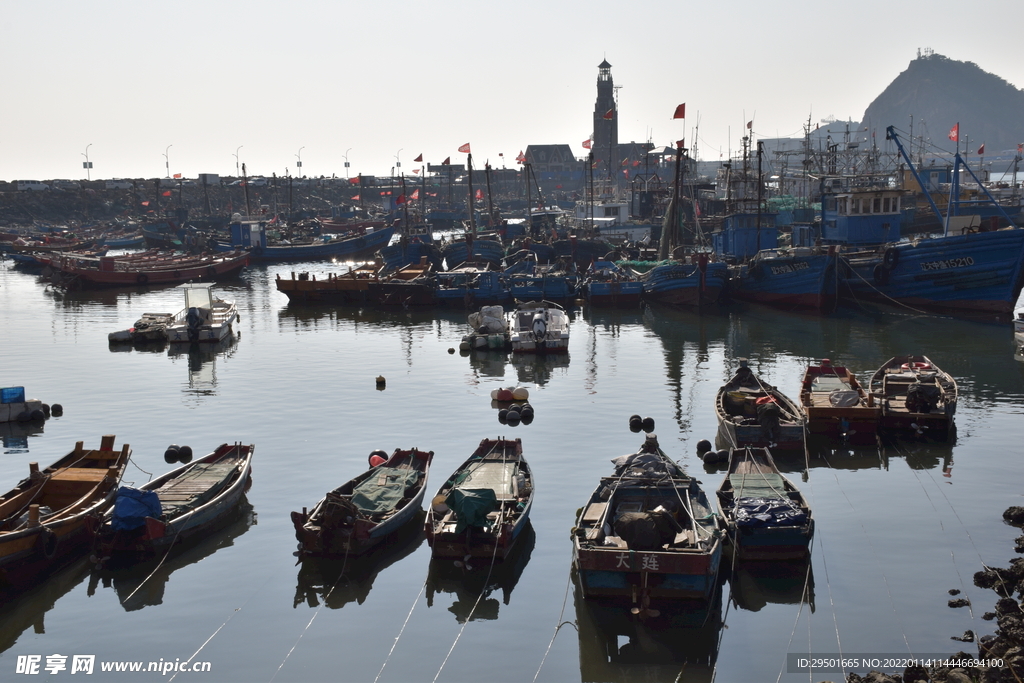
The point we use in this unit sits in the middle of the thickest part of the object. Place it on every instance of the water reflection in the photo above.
(337, 582)
(134, 591)
(202, 362)
(468, 584)
(753, 585)
(15, 435)
(681, 644)
(29, 609)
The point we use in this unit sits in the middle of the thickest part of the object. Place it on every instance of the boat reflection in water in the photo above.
(29, 609)
(467, 584)
(15, 435)
(135, 591)
(202, 362)
(338, 581)
(753, 585)
(680, 644)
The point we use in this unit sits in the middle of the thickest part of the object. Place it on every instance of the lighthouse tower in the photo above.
(606, 124)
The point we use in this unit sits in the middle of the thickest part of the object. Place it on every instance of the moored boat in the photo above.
(837, 406)
(50, 518)
(367, 509)
(145, 269)
(177, 507)
(205, 318)
(694, 285)
(752, 413)
(538, 327)
(766, 515)
(916, 396)
(349, 288)
(471, 287)
(484, 505)
(606, 284)
(648, 532)
(798, 278)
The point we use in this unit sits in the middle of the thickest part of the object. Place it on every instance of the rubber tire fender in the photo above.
(891, 257)
(880, 274)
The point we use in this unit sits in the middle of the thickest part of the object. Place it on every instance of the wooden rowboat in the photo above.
(753, 413)
(173, 509)
(766, 516)
(51, 517)
(485, 504)
(917, 397)
(367, 510)
(837, 406)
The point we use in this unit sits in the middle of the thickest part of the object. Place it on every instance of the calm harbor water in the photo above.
(897, 528)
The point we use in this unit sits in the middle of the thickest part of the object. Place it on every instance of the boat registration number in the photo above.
(945, 264)
(790, 268)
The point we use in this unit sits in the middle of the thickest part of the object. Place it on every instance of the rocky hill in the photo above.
(939, 92)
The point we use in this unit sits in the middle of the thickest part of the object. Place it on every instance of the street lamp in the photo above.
(237, 174)
(298, 164)
(346, 160)
(87, 165)
(167, 160)
(398, 162)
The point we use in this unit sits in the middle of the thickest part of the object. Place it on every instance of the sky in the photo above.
(148, 89)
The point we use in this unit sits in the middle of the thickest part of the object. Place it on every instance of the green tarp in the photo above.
(471, 506)
(383, 489)
(757, 486)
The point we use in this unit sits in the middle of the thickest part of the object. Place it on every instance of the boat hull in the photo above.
(685, 285)
(614, 294)
(793, 282)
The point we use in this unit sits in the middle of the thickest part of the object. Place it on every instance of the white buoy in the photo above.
(520, 393)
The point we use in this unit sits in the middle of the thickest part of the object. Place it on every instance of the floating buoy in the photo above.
(512, 418)
(24, 416)
(494, 394)
(171, 454)
(46, 410)
(464, 346)
(502, 414)
(636, 423)
(439, 504)
(504, 395)
(37, 415)
(57, 410)
(525, 410)
(185, 454)
(526, 418)
(520, 393)
(378, 457)
(648, 424)
(381, 382)
(451, 349)
(703, 446)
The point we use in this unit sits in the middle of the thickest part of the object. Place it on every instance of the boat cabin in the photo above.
(744, 234)
(861, 217)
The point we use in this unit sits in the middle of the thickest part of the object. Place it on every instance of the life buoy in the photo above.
(142, 278)
(891, 257)
(916, 366)
(46, 542)
(880, 274)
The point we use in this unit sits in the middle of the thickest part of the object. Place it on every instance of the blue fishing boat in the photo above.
(647, 532)
(457, 252)
(696, 284)
(766, 516)
(471, 287)
(606, 284)
(251, 234)
(529, 280)
(797, 278)
(414, 244)
(972, 268)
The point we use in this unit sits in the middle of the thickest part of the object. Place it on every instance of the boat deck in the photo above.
(194, 487)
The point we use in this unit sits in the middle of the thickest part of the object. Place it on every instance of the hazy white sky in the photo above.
(386, 81)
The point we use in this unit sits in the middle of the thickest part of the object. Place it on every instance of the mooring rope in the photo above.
(561, 623)
(796, 622)
(401, 631)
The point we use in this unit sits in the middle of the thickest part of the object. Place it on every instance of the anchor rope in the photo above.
(561, 623)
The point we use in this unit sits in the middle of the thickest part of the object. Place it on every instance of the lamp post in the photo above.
(237, 174)
(398, 161)
(167, 160)
(346, 160)
(298, 164)
(87, 165)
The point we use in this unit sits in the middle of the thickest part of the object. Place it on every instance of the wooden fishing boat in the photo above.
(766, 516)
(753, 413)
(409, 285)
(352, 287)
(837, 406)
(146, 268)
(471, 286)
(51, 517)
(182, 505)
(539, 327)
(367, 510)
(647, 532)
(916, 396)
(485, 504)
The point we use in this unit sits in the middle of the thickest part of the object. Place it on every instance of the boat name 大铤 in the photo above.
(790, 268)
(961, 262)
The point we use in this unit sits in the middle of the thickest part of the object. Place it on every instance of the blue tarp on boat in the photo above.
(132, 507)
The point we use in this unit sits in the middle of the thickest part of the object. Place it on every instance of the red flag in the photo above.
(145, 203)
(625, 172)
(356, 198)
(447, 162)
(558, 187)
(680, 143)
(625, 162)
(415, 170)
(177, 175)
(954, 133)
(587, 143)
(696, 209)
(680, 111)
(610, 114)
(419, 158)
(981, 149)
(501, 154)
(521, 158)
(465, 148)
(167, 193)
(479, 194)
(750, 124)
(353, 181)
(636, 163)
(415, 195)
(1020, 148)
(401, 199)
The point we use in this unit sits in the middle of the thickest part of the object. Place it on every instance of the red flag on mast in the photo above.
(954, 132)
(447, 161)
(680, 111)
(587, 143)
(419, 158)
(479, 194)
(521, 158)
(610, 114)
(981, 149)
(465, 148)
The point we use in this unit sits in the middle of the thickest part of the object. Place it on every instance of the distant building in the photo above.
(606, 124)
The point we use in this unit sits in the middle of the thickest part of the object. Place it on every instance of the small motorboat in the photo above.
(539, 327)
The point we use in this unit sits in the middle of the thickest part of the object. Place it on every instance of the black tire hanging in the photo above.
(46, 543)
(880, 274)
(891, 257)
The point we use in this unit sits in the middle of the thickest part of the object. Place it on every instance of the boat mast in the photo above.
(490, 203)
(529, 203)
(405, 209)
(472, 213)
(668, 231)
(590, 204)
(245, 186)
(760, 190)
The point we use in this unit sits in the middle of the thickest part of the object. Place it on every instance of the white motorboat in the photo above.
(204, 318)
(539, 327)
